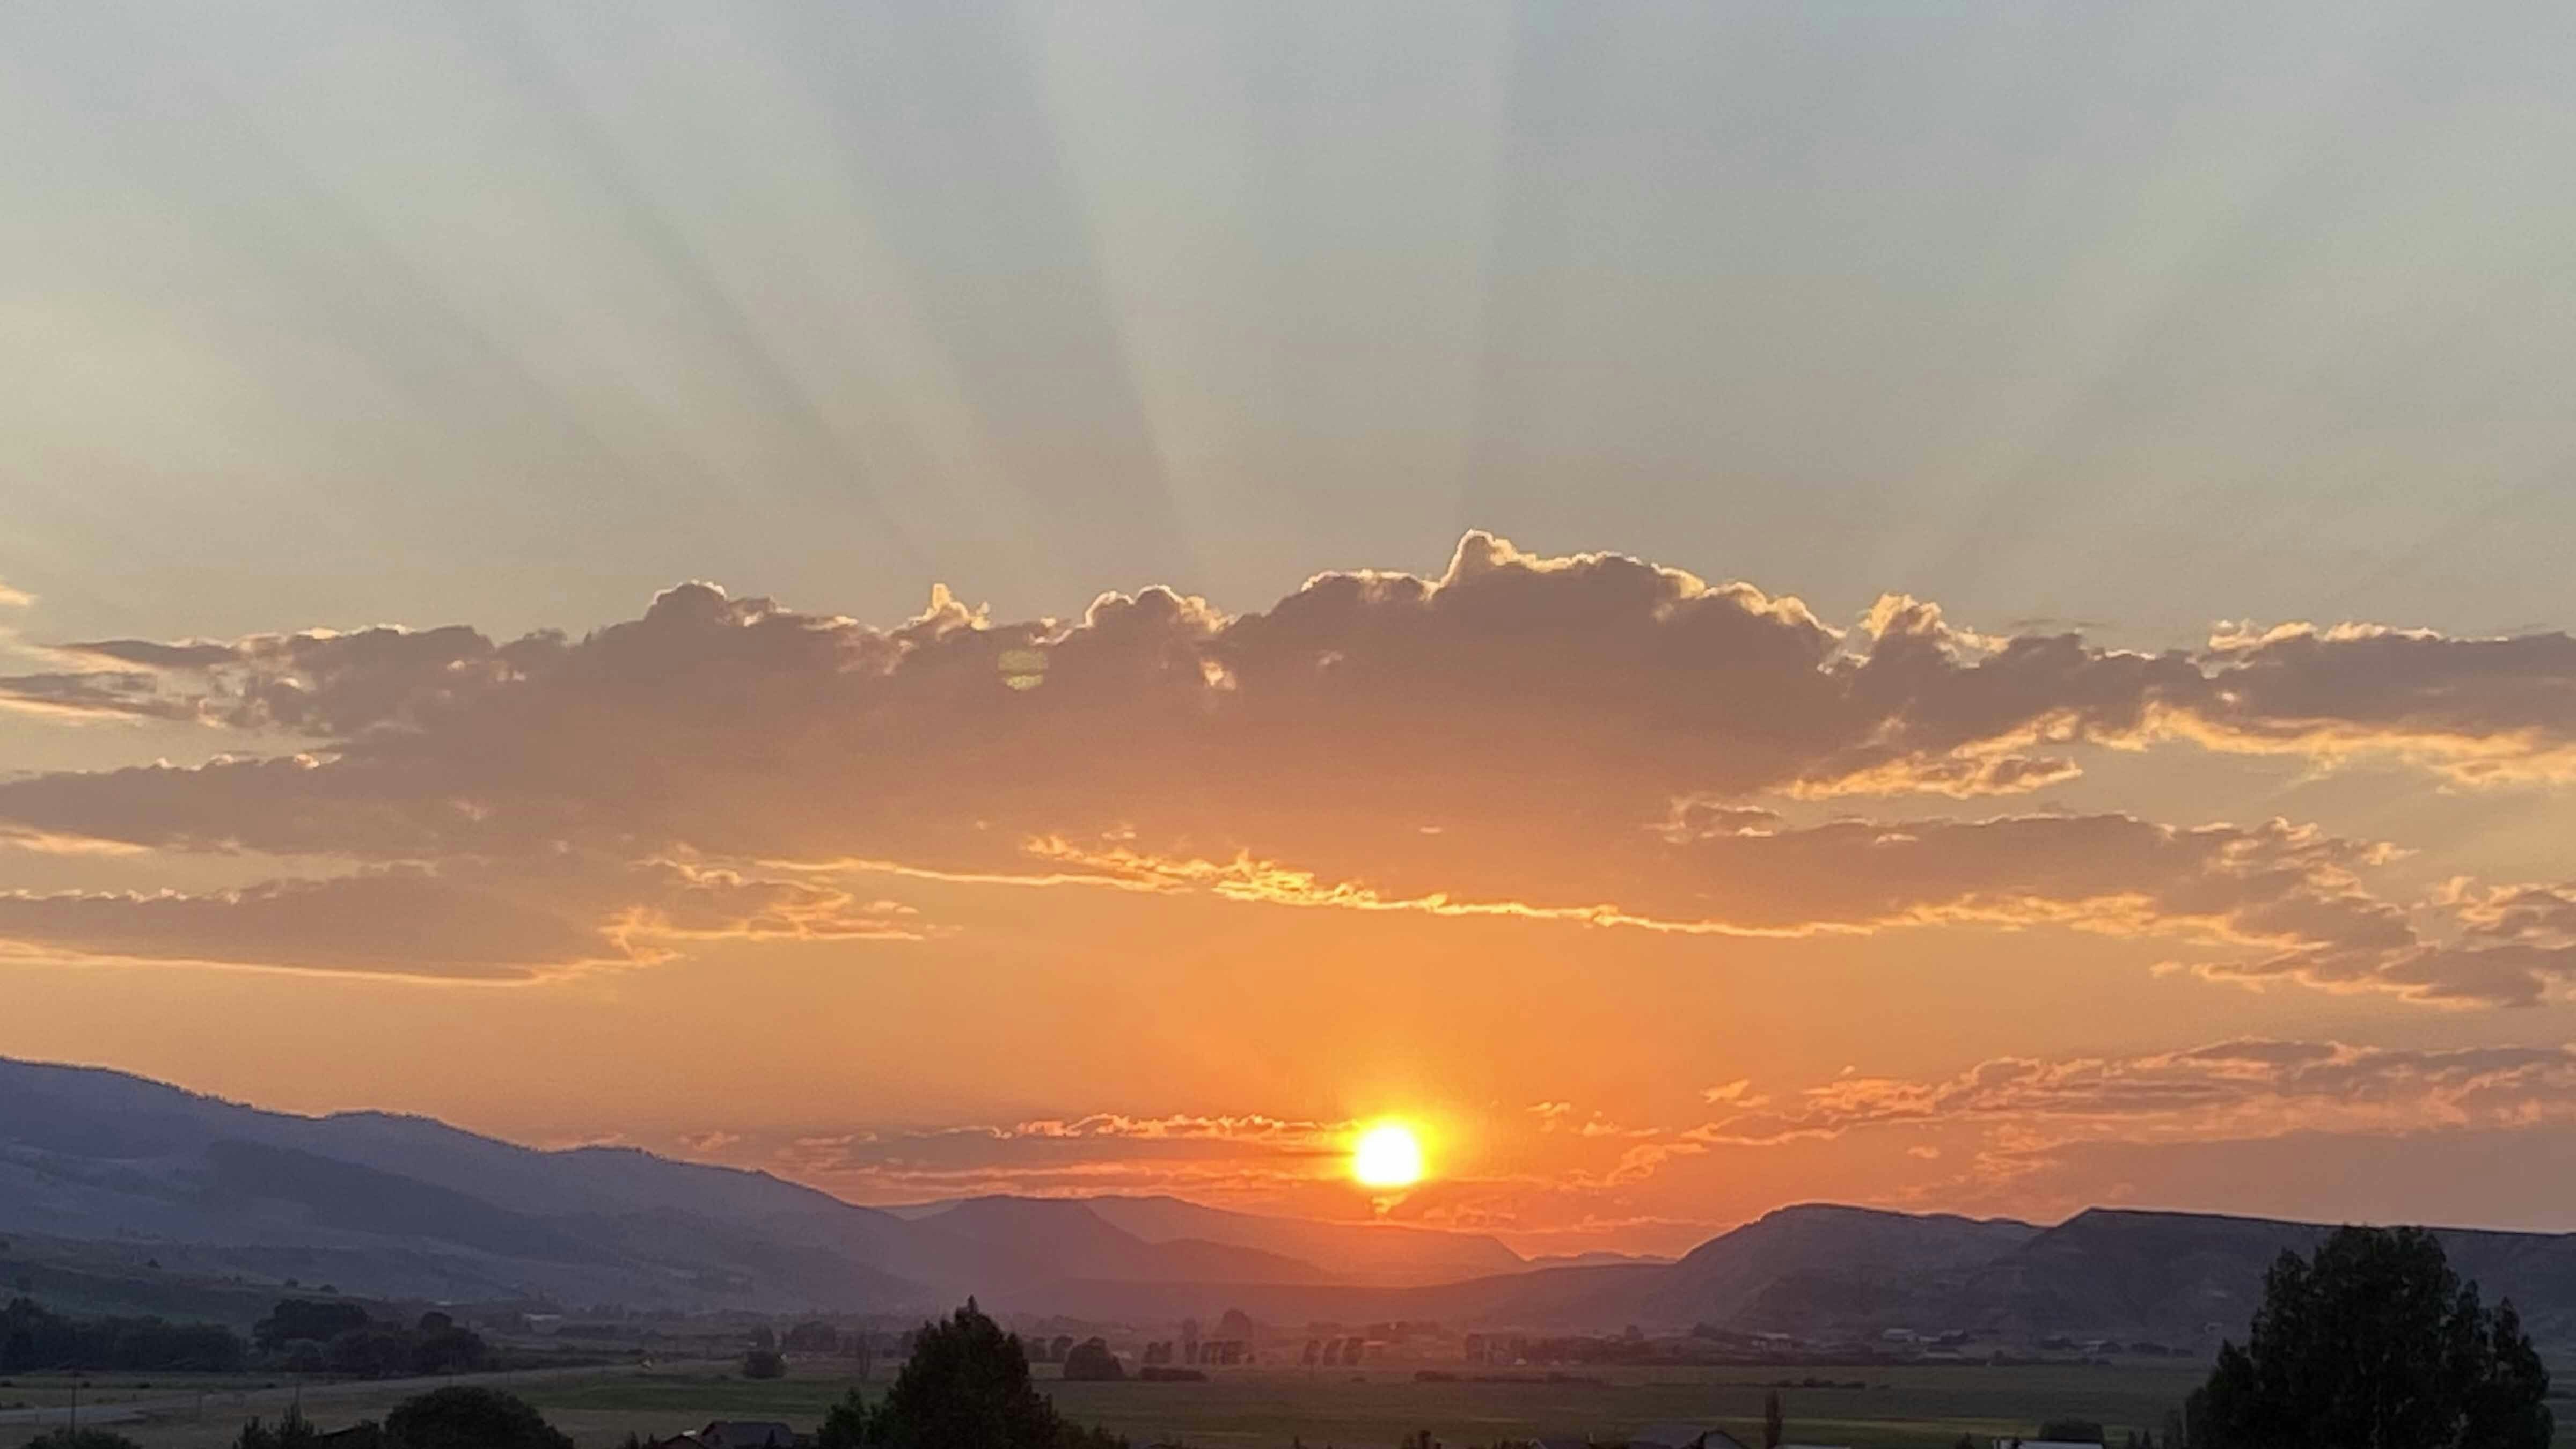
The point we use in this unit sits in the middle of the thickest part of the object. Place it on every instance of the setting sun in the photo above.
(1387, 1155)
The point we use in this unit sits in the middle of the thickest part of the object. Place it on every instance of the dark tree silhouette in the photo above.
(764, 1363)
(845, 1424)
(34, 1337)
(464, 1417)
(296, 1318)
(449, 1350)
(2374, 1344)
(967, 1386)
(1091, 1360)
(813, 1337)
(81, 1439)
(1772, 1427)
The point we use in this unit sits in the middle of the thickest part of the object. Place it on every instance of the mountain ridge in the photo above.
(404, 1206)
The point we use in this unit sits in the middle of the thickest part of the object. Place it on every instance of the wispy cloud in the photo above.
(2250, 1087)
(464, 920)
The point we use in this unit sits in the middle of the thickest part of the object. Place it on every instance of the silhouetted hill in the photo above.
(1598, 1258)
(1373, 1253)
(404, 1207)
(2188, 1277)
(408, 1207)
(1860, 1260)
(1827, 1273)
(1020, 1243)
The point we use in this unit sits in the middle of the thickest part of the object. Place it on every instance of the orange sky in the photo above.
(1942, 606)
(1653, 903)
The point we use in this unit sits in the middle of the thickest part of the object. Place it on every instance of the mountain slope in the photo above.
(412, 1207)
(2183, 1277)
(1373, 1253)
(405, 1207)
(1853, 1263)
(1018, 1244)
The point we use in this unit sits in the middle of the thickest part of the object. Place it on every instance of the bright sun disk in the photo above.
(1387, 1155)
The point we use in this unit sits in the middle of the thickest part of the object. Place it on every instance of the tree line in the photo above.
(34, 1339)
(334, 1335)
(300, 1335)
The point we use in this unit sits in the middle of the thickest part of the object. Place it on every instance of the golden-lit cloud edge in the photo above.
(1590, 740)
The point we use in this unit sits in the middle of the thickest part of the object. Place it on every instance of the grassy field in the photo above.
(1913, 1408)
(1902, 1408)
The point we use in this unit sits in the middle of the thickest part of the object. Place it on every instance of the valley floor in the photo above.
(1901, 1408)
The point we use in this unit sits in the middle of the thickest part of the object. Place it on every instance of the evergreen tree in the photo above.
(466, 1417)
(967, 1386)
(845, 1424)
(2374, 1344)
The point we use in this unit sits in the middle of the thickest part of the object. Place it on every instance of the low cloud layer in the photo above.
(1248, 1157)
(467, 921)
(1592, 738)
(2003, 1135)
(2243, 1088)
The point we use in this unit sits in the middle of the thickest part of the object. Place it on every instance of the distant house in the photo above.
(747, 1434)
(1560, 1441)
(1684, 1436)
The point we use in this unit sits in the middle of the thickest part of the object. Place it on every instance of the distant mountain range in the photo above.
(409, 1207)
(206, 1192)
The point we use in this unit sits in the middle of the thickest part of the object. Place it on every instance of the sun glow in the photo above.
(1387, 1155)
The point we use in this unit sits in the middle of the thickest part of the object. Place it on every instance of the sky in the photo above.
(1951, 607)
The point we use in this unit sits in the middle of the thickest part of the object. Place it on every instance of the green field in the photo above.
(1903, 1407)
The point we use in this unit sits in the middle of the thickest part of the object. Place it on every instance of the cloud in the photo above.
(1598, 669)
(460, 921)
(2247, 1088)
(1246, 1156)
(94, 694)
(15, 598)
(1300, 1136)
(2276, 901)
(2481, 708)
(1591, 739)
(1980, 1135)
